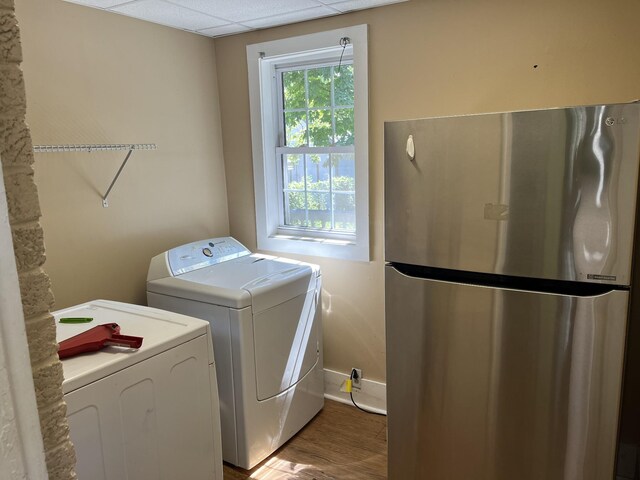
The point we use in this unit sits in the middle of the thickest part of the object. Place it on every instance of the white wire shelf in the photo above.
(93, 147)
(129, 147)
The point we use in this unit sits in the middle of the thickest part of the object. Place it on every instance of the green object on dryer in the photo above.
(76, 320)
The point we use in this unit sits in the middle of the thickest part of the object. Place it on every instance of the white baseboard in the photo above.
(372, 396)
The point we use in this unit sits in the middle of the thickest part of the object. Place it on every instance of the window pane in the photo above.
(319, 87)
(320, 129)
(343, 170)
(344, 126)
(293, 172)
(295, 213)
(319, 188)
(295, 129)
(318, 171)
(343, 87)
(319, 210)
(294, 91)
(344, 211)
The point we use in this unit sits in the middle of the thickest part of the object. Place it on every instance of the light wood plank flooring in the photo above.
(340, 443)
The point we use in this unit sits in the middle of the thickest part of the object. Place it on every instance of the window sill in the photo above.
(313, 246)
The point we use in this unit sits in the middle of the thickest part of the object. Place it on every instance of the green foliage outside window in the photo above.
(317, 130)
(313, 210)
(344, 201)
(319, 112)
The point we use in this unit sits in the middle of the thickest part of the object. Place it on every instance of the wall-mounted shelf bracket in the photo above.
(105, 201)
(98, 148)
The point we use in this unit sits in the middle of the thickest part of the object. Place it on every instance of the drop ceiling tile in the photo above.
(299, 16)
(221, 17)
(350, 5)
(99, 3)
(224, 30)
(158, 11)
(244, 10)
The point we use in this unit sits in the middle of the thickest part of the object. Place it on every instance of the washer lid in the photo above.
(254, 280)
(195, 255)
(161, 331)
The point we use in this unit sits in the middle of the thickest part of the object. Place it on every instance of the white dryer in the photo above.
(266, 325)
(150, 413)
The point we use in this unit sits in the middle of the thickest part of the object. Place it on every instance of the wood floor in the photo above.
(340, 443)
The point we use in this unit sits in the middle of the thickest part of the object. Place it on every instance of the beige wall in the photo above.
(96, 77)
(428, 58)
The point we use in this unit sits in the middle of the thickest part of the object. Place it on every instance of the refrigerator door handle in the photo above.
(541, 285)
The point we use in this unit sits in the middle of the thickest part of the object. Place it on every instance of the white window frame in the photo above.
(262, 60)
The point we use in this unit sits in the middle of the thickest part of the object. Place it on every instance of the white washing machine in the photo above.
(150, 413)
(266, 325)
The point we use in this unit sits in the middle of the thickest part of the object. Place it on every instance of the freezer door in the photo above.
(545, 194)
(497, 384)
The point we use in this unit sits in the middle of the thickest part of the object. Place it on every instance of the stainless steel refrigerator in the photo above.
(508, 242)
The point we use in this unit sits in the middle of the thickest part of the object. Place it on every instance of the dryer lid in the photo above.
(260, 281)
(161, 331)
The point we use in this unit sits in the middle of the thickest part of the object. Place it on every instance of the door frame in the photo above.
(22, 454)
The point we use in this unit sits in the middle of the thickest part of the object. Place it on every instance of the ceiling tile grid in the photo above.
(215, 18)
(165, 13)
(228, 29)
(241, 10)
(290, 17)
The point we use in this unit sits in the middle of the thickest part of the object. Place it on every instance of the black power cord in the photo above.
(354, 373)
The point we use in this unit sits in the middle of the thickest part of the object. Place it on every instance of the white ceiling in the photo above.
(215, 18)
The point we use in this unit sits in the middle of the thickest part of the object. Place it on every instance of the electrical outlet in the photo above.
(356, 378)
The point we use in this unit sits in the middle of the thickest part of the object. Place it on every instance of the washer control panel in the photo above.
(204, 253)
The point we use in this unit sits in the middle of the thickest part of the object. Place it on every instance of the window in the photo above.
(309, 115)
(317, 152)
